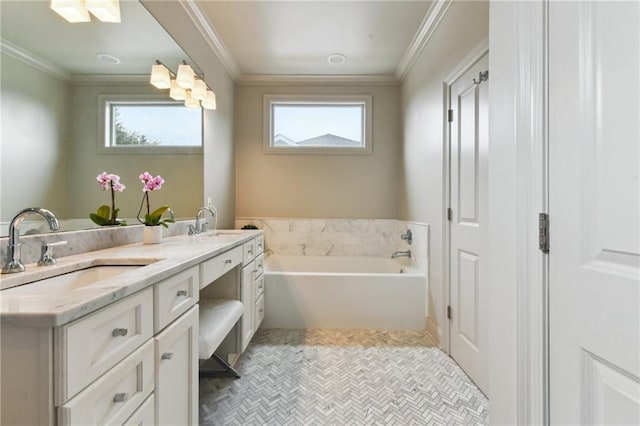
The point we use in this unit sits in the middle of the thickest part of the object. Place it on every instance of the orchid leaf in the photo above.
(98, 220)
(104, 212)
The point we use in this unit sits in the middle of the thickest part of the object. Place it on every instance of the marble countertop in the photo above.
(26, 301)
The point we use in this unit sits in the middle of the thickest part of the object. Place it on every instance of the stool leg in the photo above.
(228, 371)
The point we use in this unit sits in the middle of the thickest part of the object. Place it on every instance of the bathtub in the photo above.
(343, 292)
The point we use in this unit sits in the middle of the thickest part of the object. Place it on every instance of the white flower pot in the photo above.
(152, 234)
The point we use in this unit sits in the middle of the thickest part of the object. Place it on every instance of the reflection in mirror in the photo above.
(53, 75)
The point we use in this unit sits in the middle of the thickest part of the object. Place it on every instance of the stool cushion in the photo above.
(217, 318)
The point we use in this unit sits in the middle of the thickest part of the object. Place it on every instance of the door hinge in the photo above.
(543, 234)
(450, 116)
(448, 312)
(449, 214)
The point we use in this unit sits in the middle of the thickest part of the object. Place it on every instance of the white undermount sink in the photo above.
(85, 276)
(226, 233)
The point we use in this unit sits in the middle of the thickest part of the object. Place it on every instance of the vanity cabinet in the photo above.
(132, 362)
(251, 290)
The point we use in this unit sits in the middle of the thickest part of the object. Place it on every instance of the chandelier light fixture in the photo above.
(185, 85)
(78, 10)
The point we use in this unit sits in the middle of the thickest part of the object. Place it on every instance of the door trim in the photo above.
(463, 66)
(519, 189)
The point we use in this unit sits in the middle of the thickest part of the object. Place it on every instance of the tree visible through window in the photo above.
(135, 123)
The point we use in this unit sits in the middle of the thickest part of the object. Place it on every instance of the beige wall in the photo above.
(323, 186)
(219, 164)
(182, 172)
(33, 162)
(462, 28)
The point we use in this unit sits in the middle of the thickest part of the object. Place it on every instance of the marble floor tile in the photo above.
(343, 377)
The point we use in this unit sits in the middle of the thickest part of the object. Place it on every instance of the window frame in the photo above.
(105, 126)
(306, 99)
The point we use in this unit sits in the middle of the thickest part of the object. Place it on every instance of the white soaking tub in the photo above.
(343, 292)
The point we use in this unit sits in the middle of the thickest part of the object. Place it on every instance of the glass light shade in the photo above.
(176, 92)
(199, 90)
(209, 101)
(185, 77)
(105, 10)
(71, 10)
(191, 102)
(160, 77)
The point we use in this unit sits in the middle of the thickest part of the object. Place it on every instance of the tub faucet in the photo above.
(401, 254)
(201, 226)
(13, 263)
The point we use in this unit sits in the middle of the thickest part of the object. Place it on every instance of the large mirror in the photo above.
(53, 75)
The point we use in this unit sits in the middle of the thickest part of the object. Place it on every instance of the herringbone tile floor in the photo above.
(343, 377)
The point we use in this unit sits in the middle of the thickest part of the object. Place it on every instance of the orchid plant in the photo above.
(105, 215)
(152, 218)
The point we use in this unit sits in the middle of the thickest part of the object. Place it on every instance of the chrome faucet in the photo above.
(201, 226)
(13, 263)
(401, 254)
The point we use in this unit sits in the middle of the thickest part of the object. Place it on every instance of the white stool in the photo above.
(217, 319)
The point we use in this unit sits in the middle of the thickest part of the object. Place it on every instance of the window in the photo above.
(312, 124)
(150, 125)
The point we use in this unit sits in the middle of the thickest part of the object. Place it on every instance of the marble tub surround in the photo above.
(343, 237)
(19, 305)
(85, 240)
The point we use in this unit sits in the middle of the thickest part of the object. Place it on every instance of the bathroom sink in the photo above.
(79, 276)
(227, 233)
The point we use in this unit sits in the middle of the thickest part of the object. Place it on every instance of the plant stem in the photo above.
(114, 215)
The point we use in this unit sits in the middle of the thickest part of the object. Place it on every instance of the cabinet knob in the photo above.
(119, 332)
(228, 261)
(167, 355)
(120, 397)
(182, 293)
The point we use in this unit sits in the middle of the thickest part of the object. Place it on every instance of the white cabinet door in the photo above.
(594, 209)
(246, 297)
(176, 357)
(469, 241)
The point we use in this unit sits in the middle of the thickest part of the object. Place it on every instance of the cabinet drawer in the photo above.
(115, 396)
(258, 287)
(214, 268)
(259, 244)
(259, 313)
(259, 265)
(144, 415)
(175, 295)
(249, 251)
(88, 347)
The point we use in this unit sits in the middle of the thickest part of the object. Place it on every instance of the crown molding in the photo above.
(327, 80)
(32, 60)
(211, 37)
(428, 26)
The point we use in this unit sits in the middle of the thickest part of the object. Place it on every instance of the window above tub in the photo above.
(148, 124)
(317, 124)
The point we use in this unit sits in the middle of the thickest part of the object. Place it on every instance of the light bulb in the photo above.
(209, 101)
(199, 90)
(176, 92)
(160, 77)
(185, 77)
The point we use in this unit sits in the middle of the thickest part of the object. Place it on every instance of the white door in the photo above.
(594, 210)
(469, 144)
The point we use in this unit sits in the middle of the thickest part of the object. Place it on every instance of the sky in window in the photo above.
(300, 122)
(172, 125)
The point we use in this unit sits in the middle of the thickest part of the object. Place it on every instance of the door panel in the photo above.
(594, 207)
(468, 228)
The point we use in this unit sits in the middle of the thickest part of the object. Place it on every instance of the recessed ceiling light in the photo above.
(336, 59)
(108, 59)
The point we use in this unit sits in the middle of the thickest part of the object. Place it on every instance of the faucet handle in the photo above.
(46, 253)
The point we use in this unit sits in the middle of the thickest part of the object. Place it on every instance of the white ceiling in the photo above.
(295, 37)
